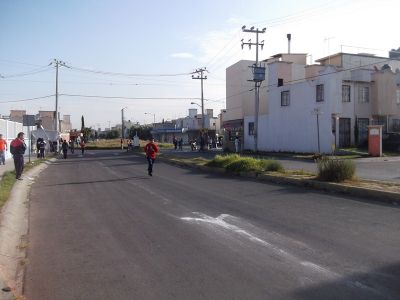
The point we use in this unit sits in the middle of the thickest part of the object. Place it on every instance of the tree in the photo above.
(82, 123)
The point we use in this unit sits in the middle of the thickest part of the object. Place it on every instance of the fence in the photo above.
(10, 129)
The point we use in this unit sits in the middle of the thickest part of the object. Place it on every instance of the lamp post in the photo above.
(202, 115)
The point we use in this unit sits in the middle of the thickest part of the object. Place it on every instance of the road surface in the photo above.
(101, 228)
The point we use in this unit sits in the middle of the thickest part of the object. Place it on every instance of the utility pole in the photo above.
(57, 63)
(258, 77)
(122, 126)
(201, 77)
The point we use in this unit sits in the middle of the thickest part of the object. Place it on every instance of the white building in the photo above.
(346, 92)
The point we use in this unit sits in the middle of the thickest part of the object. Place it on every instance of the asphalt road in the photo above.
(100, 228)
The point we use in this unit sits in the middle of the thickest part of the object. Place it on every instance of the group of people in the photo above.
(71, 145)
(18, 148)
(177, 143)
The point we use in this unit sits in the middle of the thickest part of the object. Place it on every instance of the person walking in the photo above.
(237, 144)
(40, 145)
(180, 144)
(3, 149)
(151, 149)
(17, 149)
(72, 146)
(64, 147)
(82, 144)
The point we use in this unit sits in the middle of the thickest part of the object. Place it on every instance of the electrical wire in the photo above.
(125, 74)
(25, 100)
(32, 72)
(131, 98)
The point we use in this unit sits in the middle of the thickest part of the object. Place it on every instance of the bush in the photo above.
(273, 166)
(245, 164)
(336, 170)
(237, 163)
(221, 161)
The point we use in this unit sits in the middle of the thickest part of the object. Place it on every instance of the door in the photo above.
(344, 132)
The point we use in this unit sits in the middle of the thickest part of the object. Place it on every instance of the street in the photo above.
(101, 228)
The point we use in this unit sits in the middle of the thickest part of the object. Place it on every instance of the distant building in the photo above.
(394, 54)
(17, 115)
(46, 119)
(66, 125)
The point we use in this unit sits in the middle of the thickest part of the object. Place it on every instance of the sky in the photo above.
(138, 56)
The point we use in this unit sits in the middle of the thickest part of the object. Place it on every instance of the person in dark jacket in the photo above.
(151, 149)
(64, 147)
(17, 149)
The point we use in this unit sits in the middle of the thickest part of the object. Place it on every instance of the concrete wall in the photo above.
(10, 130)
(240, 100)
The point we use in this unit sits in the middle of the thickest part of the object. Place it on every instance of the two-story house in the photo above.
(309, 108)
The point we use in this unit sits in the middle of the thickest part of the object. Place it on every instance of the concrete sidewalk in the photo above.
(13, 233)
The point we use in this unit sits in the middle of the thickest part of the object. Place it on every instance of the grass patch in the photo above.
(237, 163)
(116, 144)
(221, 161)
(8, 180)
(336, 170)
(6, 184)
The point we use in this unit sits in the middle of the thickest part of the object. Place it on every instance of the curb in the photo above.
(375, 195)
(14, 233)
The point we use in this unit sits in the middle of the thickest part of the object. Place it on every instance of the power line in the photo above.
(29, 99)
(32, 72)
(131, 98)
(124, 74)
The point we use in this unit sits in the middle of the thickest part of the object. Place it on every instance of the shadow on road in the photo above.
(382, 283)
(100, 181)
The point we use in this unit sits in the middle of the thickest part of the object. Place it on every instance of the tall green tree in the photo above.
(82, 123)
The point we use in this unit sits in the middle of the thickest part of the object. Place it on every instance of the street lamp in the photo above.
(154, 117)
(195, 104)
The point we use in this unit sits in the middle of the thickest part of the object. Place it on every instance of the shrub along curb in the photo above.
(372, 194)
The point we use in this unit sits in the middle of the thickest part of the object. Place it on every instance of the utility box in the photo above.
(259, 74)
(375, 140)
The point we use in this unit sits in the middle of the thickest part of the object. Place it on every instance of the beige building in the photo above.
(17, 115)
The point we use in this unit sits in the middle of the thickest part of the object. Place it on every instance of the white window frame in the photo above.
(346, 93)
(398, 97)
(363, 94)
(319, 90)
(285, 98)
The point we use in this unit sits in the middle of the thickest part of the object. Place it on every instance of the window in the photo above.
(398, 97)
(285, 98)
(251, 128)
(363, 94)
(345, 93)
(320, 92)
(396, 125)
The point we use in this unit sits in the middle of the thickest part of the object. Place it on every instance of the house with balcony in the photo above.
(311, 108)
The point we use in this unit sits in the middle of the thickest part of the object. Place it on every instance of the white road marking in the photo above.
(220, 222)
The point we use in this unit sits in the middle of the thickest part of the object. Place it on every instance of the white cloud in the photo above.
(182, 55)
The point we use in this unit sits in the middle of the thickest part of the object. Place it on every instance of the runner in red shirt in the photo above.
(151, 150)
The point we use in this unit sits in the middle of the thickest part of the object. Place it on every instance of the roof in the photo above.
(352, 54)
